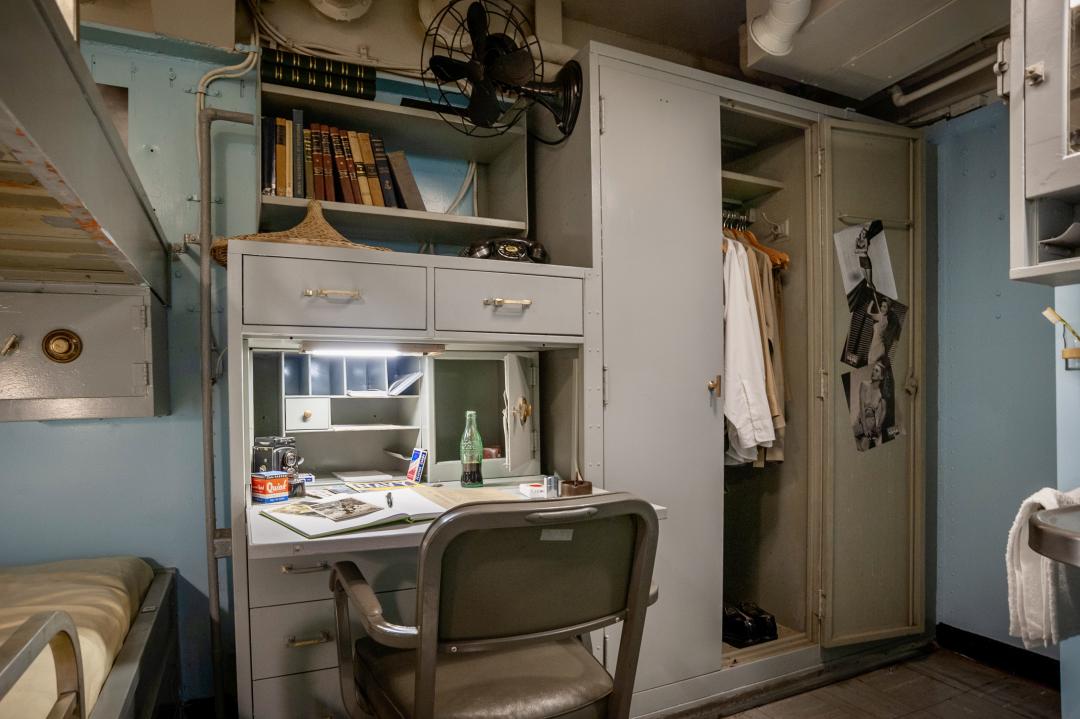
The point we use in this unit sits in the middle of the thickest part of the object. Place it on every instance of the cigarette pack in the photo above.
(267, 487)
(532, 490)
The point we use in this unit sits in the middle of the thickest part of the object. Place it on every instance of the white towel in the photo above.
(1044, 595)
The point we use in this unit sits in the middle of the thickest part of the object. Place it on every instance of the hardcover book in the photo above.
(288, 159)
(382, 164)
(328, 165)
(284, 58)
(309, 167)
(404, 182)
(350, 166)
(318, 81)
(269, 140)
(341, 165)
(298, 153)
(361, 172)
(317, 162)
(279, 157)
(369, 169)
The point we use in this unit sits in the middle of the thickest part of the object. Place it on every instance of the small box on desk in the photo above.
(267, 487)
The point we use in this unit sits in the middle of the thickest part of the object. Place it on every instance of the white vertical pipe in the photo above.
(773, 32)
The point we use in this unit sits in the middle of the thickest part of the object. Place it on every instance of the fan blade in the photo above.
(484, 108)
(514, 69)
(447, 69)
(477, 21)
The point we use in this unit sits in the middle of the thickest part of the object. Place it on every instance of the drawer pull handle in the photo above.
(343, 294)
(294, 643)
(320, 567)
(501, 302)
(306, 417)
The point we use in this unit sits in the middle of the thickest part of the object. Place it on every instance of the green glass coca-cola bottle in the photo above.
(472, 453)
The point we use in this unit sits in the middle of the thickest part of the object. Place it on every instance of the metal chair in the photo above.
(505, 591)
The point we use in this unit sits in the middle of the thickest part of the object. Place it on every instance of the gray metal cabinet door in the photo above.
(663, 342)
(872, 513)
(1050, 163)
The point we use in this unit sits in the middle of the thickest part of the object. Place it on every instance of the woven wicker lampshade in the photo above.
(312, 230)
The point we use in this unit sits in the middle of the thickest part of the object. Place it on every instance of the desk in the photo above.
(269, 540)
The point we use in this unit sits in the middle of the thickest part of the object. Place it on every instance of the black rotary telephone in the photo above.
(512, 249)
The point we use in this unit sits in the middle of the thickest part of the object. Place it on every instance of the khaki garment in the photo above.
(771, 290)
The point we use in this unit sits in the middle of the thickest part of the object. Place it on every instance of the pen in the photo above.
(389, 500)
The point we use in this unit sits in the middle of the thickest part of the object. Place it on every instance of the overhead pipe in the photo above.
(901, 98)
(775, 30)
(207, 116)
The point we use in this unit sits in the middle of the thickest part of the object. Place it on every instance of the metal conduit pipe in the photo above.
(207, 116)
(901, 98)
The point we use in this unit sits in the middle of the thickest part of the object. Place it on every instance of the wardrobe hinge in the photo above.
(823, 384)
(820, 162)
(603, 386)
(601, 114)
(820, 605)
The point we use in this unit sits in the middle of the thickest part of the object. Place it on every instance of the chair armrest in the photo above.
(654, 593)
(348, 584)
(55, 630)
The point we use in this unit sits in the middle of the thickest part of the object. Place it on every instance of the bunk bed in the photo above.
(73, 212)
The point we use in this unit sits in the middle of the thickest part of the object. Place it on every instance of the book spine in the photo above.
(342, 166)
(309, 167)
(328, 165)
(316, 161)
(319, 81)
(361, 173)
(266, 156)
(298, 153)
(370, 170)
(350, 167)
(287, 59)
(405, 184)
(279, 156)
(386, 180)
(288, 158)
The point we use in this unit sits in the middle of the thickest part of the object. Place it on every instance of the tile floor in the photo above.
(941, 685)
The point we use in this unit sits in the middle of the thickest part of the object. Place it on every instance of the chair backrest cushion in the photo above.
(509, 581)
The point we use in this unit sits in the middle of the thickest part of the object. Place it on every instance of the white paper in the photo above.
(852, 272)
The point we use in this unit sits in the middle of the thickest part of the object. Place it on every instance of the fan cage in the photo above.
(448, 35)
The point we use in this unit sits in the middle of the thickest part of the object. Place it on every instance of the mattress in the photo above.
(101, 595)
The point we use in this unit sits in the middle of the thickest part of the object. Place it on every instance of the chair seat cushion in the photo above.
(529, 681)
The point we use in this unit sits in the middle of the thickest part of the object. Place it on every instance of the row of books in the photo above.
(321, 162)
(315, 73)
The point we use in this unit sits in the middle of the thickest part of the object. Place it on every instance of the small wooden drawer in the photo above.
(311, 695)
(322, 293)
(305, 579)
(307, 413)
(292, 638)
(505, 302)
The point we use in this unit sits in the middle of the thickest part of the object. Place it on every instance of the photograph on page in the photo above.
(872, 405)
(876, 324)
(863, 255)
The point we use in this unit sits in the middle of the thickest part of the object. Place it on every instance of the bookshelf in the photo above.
(502, 199)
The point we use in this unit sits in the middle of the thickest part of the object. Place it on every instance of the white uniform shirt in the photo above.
(746, 405)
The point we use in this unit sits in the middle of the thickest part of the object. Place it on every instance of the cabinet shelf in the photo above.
(373, 395)
(387, 224)
(418, 131)
(743, 189)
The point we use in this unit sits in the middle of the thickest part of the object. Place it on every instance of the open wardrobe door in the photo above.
(872, 552)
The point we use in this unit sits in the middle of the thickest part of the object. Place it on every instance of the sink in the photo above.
(1055, 533)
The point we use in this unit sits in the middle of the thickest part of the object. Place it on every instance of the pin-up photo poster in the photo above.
(874, 329)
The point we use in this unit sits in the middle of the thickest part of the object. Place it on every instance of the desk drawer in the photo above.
(292, 638)
(472, 301)
(311, 695)
(295, 638)
(323, 293)
(307, 413)
(305, 579)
